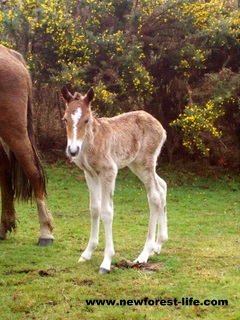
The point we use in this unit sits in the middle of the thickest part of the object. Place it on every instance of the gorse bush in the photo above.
(135, 54)
(196, 122)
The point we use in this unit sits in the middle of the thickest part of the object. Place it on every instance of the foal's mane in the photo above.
(77, 96)
(95, 114)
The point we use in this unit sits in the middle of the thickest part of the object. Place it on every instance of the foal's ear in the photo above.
(66, 94)
(89, 96)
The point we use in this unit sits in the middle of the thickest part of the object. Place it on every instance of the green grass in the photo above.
(200, 260)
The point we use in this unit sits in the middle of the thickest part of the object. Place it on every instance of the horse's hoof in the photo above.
(45, 242)
(81, 259)
(3, 234)
(103, 271)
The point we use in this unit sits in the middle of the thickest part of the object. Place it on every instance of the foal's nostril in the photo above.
(73, 153)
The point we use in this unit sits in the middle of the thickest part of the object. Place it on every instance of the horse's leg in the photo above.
(23, 151)
(162, 236)
(156, 201)
(8, 218)
(95, 205)
(107, 178)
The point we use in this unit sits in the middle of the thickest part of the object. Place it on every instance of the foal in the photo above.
(101, 146)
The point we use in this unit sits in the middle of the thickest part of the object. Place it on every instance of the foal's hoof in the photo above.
(103, 271)
(81, 259)
(45, 242)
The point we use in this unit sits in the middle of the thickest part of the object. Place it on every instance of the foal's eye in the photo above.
(86, 121)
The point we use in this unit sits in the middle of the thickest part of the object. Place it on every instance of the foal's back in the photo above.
(128, 137)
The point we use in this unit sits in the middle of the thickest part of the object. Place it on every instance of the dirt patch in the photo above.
(149, 266)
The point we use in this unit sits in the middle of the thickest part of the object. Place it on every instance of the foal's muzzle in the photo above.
(73, 153)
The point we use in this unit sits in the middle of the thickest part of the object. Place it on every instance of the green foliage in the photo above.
(136, 54)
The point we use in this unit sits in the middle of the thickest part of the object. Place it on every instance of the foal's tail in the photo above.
(21, 184)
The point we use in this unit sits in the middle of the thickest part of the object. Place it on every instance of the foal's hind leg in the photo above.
(162, 236)
(24, 153)
(8, 218)
(156, 202)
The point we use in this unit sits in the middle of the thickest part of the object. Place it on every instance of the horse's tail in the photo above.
(21, 184)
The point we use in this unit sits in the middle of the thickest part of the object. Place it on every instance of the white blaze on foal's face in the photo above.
(74, 142)
(76, 116)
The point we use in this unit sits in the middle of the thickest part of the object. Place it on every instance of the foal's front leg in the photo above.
(95, 205)
(107, 188)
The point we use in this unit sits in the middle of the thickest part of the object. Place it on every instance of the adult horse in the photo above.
(101, 146)
(21, 172)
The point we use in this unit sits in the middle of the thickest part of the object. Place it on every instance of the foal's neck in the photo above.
(91, 128)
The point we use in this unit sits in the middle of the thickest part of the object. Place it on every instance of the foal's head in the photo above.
(76, 117)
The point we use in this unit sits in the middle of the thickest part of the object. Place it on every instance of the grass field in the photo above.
(200, 260)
